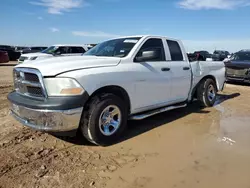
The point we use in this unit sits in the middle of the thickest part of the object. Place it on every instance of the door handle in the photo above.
(186, 68)
(165, 69)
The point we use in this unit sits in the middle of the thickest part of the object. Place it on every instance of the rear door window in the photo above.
(63, 50)
(77, 50)
(175, 50)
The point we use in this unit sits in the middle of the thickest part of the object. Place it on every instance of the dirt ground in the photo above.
(189, 147)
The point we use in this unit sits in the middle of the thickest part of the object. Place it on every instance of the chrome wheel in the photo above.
(110, 120)
(211, 93)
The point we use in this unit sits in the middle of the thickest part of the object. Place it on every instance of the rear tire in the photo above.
(104, 119)
(207, 92)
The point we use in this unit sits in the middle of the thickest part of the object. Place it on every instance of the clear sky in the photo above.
(201, 24)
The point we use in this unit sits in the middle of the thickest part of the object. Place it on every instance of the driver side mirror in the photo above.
(148, 55)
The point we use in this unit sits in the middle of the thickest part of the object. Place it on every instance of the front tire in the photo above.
(207, 92)
(104, 119)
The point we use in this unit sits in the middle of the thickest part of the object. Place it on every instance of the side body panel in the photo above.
(147, 85)
(146, 88)
(202, 69)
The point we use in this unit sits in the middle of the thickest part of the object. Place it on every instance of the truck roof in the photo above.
(144, 36)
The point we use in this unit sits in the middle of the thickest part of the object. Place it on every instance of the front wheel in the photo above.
(104, 119)
(207, 92)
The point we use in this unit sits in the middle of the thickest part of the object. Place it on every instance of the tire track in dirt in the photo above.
(31, 158)
(81, 165)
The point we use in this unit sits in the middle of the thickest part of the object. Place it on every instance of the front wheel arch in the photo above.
(116, 90)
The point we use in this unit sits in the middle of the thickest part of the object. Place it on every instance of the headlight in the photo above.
(62, 87)
(33, 58)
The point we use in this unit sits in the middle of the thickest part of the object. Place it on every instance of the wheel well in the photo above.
(194, 93)
(116, 90)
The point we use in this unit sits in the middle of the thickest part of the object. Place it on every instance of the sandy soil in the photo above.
(189, 147)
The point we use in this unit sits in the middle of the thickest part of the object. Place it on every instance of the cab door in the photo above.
(180, 72)
(153, 78)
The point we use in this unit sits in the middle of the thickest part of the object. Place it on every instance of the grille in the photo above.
(27, 82)
(36, 91)
(31, 77)
(237, 72)
(22, 58)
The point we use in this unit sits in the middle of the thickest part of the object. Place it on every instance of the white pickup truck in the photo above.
(117, 80)
(54, 51)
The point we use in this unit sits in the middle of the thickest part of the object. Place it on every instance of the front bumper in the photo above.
(238, 79)
(47, 120)
(55, 114)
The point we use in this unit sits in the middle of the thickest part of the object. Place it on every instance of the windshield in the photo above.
(114, 48)
(50, 50)
(241, 57)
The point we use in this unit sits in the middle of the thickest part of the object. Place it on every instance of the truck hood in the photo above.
(58, 65)
(238, 64)
(38, 54)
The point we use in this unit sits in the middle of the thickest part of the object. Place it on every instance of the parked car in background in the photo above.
(4, 58)
(245, 50)
(12, 53)
(54, 51)
(238, 67)
(19, 48)
(195, 57)
(124, 78)
(220, 55)
(192, 57)
(33, 49)
(205, 54)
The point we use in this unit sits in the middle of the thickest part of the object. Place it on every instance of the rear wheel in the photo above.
(104, 119)
(207, 92)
